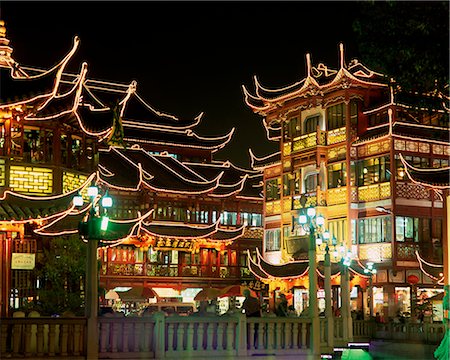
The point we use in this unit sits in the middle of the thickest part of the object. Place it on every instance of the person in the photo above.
(377, 317)
(250, 305)
(252, 308)
(282, 308)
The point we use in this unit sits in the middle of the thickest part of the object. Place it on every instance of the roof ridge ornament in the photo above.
(341, 56)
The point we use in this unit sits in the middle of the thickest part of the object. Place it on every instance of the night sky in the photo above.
(188, 57)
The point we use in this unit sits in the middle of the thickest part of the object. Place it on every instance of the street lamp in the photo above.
(92, 229)
(371, 271)
(312, 224)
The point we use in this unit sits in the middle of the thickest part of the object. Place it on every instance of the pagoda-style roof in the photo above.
(405, 130)
(118, 230)
(19, 88)
(20, 208)
(235, 180)
(436, 178)
(318, 81)
(132, 168)
(182, 231)
(265, 161)
(432, 270)
(295, 269)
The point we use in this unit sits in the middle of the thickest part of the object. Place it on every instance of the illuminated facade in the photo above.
(181, 220)
(341, 133)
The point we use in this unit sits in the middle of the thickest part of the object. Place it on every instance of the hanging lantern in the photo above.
(412, 279)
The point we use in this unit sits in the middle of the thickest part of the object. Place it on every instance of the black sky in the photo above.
(188, 57)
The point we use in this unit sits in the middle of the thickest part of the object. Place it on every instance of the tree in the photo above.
(62, 275)
(406, 40)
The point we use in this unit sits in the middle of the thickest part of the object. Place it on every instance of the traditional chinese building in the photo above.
(180, 219)
(341, 134)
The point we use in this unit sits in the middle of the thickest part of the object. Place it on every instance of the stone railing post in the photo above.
(189, 337)
(159, 336)
(304, 345)
(229, 336)
(241, 335)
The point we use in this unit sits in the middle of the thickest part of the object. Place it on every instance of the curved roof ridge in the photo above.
(77, 88)
(238, 188)
(205, 182)
(161, 127)
(181, 164)
(149, 107)
(61, 64)
(255, 159)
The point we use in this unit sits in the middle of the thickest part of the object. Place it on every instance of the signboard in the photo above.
(21, 261)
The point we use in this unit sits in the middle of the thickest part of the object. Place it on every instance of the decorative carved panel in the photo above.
(412, 191)
(406, 251)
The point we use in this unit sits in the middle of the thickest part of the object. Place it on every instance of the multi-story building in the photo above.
(181, 220)
(341, 133)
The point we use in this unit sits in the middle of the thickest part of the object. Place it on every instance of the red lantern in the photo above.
(413, 279)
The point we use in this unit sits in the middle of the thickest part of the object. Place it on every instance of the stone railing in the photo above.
(159, 336)
(43, 337)
(428, 333)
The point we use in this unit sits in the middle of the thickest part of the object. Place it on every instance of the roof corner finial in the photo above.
(5, 50)
(308, 64)
(341, 55)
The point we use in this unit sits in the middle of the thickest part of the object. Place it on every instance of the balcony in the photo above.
(311, 200)
(273, 207)
(336, 136)
(174, 270)
(337, 196)
(374, 192)
(307, 141)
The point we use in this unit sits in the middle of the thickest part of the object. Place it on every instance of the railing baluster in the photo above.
(220, 336)
(40, 340)
(190, 337)
(304, 344)
(180, 336)
(104, 332)
(64, 339)
(200, 335)
(230, 335)
(170, 337)
(210, 334)
(261, 333)
(51, 339)
(270, 335)
(295, 335)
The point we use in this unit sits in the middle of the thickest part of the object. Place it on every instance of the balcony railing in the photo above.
(273, 207)
(174, 270)
(336, 136)
(374, 192)
(306, 141)
(337, 196)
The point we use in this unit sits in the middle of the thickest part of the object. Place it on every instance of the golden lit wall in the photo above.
(72, 181)
(30, 179)
(2, 172)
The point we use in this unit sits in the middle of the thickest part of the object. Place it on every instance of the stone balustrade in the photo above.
(158, 336)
